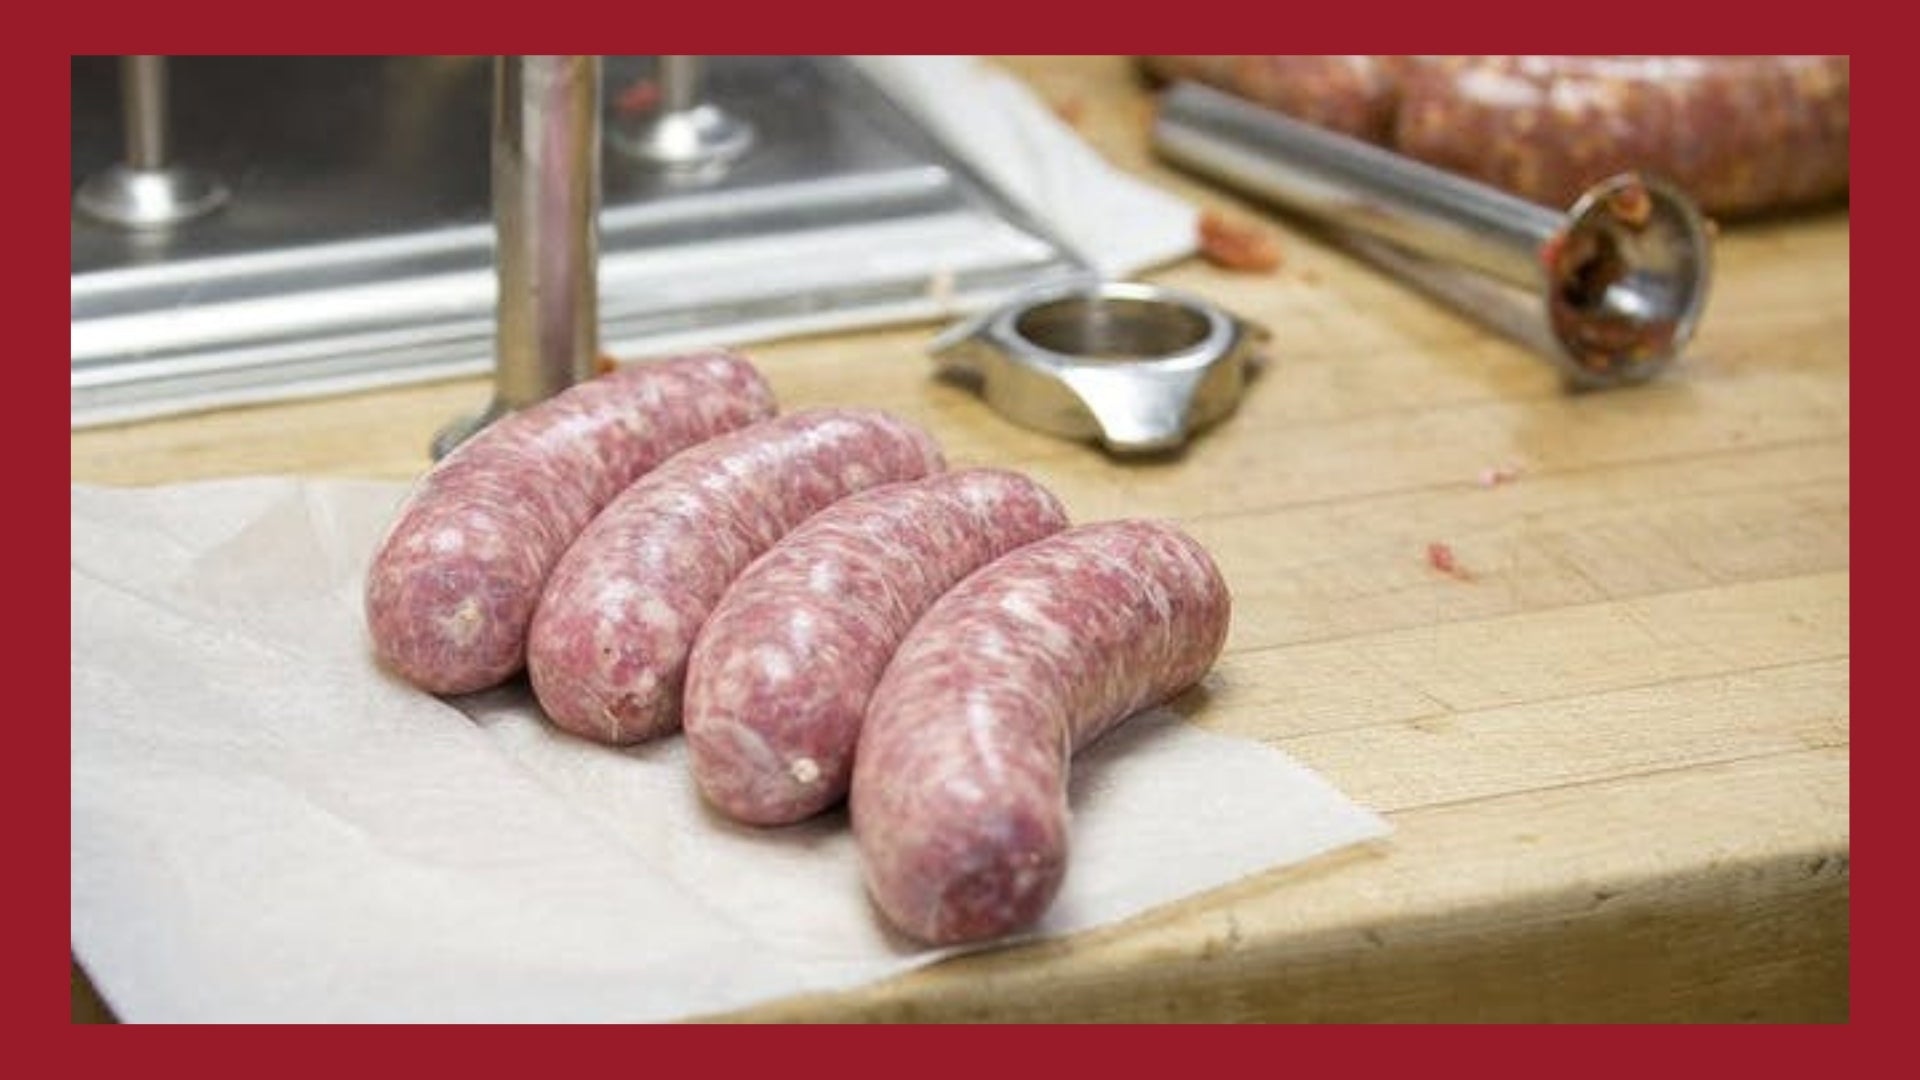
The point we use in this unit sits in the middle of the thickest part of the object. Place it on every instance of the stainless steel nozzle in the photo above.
(1620, 279)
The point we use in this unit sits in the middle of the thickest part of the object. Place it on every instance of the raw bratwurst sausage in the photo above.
(959, 796)
(1353, 95)
(779, 677)
(608, 647)
(451, 587)
(1741, 134)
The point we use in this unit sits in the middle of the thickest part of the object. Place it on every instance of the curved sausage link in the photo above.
(1741, 134)
(778, 680)
(608, 648)
(959, 798)
(453, 583)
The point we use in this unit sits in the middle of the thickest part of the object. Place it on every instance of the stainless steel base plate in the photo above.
(356, 247)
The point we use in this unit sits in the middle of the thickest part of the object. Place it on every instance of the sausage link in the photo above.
(453, 583)
(959, 797)
(1354, 95)
(779, 677)
(608, 648)
(1741, 134)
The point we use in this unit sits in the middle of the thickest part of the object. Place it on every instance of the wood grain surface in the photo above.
(1613, 744)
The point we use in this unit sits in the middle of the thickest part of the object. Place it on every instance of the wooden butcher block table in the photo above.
(1612, 743)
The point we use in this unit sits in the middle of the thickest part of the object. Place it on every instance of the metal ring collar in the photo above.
(1137, 367)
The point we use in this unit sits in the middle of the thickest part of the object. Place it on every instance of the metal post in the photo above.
(146, 191)
(546, 202)
(685, 133)
(143, 91)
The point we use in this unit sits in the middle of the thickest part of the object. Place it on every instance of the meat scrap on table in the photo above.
(1440, 556)
(1237, 245)
(1495, 475)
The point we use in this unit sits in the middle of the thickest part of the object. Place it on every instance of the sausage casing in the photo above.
(778, 681)
(607, 651)
(452, 585)
(959, 797)
(1742, 135)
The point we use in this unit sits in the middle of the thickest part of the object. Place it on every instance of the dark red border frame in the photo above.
(983, 26)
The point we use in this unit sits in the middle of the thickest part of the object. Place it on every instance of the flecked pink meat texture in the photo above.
(959, 797)
(779, 677)
(1743, 135)
(1740, 134)
(453, 584)
(608, 648)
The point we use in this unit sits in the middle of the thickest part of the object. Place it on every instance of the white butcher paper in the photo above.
(1117, 222)
(268, 827)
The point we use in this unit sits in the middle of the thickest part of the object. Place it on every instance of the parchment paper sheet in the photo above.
(266, 827)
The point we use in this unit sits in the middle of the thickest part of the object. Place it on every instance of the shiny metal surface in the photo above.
(683, 131)
(546, 212)
(1617, 283)
(358, 249)
(133, 198)
(144, 91)
(144, 190)
(1137, 367)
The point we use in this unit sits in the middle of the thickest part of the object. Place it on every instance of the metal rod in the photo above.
(1350, 183)
(1619, 280)
(143, 91)
(546, 198)
(145, 190)
(546, 201)
(679, 83)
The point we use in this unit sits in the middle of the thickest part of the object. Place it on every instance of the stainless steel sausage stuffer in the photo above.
(1618, 282)
(1137, 367)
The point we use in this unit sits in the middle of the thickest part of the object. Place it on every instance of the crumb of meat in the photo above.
(1440, 557)
(1495, 475)
(1632, 205)
(605, 365)
(637, 96)
(1237, 245)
